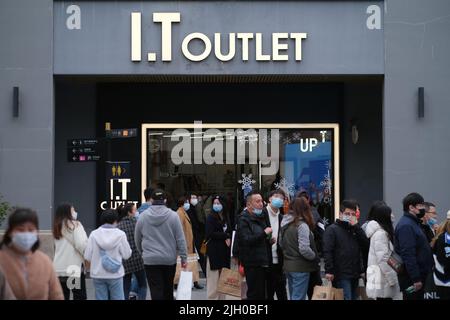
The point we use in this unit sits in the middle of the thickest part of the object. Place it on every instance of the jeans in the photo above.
(349, 286)
(298, 285)
(109, 289)
(141, 283)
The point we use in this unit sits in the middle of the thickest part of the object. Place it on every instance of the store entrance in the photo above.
(232, 160)
(156, 106)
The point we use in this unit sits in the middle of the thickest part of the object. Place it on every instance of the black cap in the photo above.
(158, 196)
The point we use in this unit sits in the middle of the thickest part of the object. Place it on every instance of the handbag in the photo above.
(203, 247)
(86, 263)
(396, 262)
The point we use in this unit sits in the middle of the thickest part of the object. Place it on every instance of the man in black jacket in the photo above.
(255, 241)
(344, 244)
(411, 244)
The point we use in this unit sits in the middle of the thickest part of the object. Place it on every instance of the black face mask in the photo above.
(421, 213)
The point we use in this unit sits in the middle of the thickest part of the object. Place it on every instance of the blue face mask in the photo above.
(186, 206)
(346, 218)
(257, 212)
(277, 202)
(24, 241)
(217, 207)
(432, 222)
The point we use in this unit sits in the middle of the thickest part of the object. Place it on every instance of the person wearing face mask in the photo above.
(106, 249)
(29, 271)
(134, 266)
(255, 240)
(429, 221)
(344, 245)
(218, 236)
(382, 282)
(194, 211)
(412, 245)
(70, 243)
(186, 223)
(277, 281)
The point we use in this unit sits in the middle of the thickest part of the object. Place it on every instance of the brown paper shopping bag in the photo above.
(327, 293)
(229, 282)
(323, 293)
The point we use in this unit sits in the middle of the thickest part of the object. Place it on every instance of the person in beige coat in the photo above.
(183, 206)
(29, 271)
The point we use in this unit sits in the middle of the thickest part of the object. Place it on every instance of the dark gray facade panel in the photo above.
(362, 162)
(26, 142)
(75, 118)
(339, 39)
(416, 150)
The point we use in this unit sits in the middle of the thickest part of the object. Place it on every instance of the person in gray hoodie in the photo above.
(160, 239)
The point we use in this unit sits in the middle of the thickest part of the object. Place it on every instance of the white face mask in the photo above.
(24, 241)
(74, 215)
(194, 202)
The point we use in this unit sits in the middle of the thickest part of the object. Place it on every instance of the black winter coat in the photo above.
(344, 248)
(217, 251)
(254, 248)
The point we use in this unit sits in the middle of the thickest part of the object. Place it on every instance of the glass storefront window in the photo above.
(232, 160)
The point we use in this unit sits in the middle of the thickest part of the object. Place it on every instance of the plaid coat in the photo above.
(135, 262)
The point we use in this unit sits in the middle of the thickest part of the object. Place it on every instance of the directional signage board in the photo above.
(84, 150)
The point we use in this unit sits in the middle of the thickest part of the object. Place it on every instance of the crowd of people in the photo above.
(284, 251)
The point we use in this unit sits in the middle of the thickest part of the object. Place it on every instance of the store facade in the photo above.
(226, 97)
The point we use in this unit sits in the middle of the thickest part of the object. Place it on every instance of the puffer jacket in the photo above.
(382, 280)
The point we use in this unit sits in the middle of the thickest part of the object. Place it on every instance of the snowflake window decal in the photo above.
(286, 186)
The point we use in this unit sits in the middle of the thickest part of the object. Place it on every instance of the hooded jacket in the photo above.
(114, 242)
(382, 280)
(159, 236)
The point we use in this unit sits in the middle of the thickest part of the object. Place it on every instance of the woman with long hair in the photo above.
(218, 237)
(299, 249)
(382, 282)
(70, 243)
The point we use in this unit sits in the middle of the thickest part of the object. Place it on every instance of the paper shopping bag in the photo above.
(323, 293)
(229, 282)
